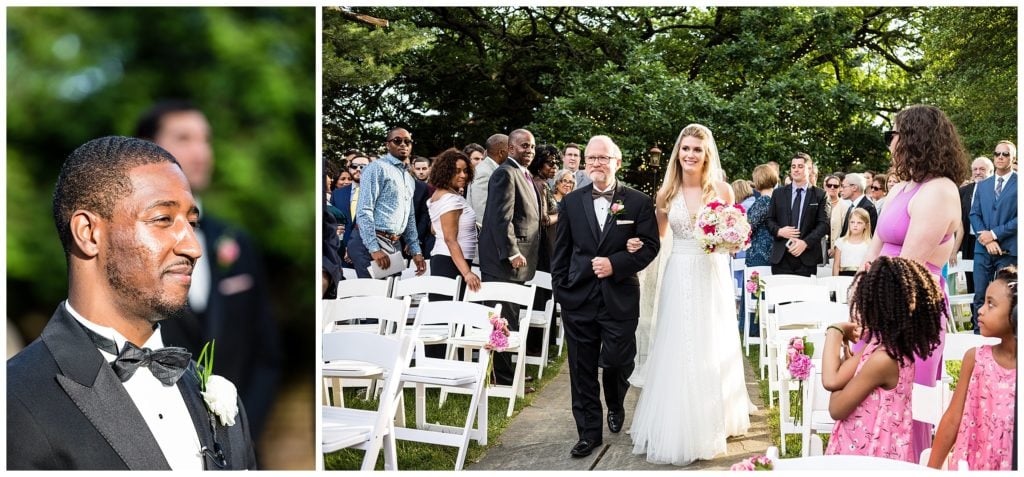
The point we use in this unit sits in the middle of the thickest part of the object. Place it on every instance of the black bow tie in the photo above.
(167, 364)
(608, 194)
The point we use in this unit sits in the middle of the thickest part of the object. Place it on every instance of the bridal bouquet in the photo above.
(723, 228)
(798, 359)
(497, 341)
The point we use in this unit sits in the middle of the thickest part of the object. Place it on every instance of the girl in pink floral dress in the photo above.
(978, 425)
(898, 307)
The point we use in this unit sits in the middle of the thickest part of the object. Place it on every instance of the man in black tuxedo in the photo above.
(797, 220)
(981, 169)
(510, 232)
(852, 190)
(228, 301)
(98, 389)
(594, 280)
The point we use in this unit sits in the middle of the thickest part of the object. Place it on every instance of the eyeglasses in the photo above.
(357, 166)
(567, 181)
(398, 141)
(832, 186)
(876, 188)
(598, 159)
(888, 136)
(1004, 154)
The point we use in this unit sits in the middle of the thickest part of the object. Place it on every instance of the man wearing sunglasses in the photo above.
(853, 191)
(384, 210)
(345, 200)
(994, 218)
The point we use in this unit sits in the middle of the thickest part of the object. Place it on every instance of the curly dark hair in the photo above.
(929, 146)
(899, 303)
(545, 154)
(1009, 275)
(442, 170)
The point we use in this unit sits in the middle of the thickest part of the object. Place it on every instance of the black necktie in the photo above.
(608, 194)
(167, 364)
(795, 214)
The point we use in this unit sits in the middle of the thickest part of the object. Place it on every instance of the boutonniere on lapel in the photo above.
(220, 397)
(228, 251)
(617, 208)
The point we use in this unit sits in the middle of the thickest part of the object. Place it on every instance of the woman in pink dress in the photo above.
(871, 388)
(921, 213)
(981, 416)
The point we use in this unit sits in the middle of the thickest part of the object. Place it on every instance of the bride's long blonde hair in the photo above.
(674, 173)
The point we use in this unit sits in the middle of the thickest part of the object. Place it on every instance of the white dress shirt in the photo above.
(601, 206)
(161, 406)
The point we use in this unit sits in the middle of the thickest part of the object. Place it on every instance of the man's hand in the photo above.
(634, 244)
(789, 232)
(797, 247)
(346, 258)
(602, 267)
(382, 259)
(519, 262)
(421, 264)
(985, 237)
(341, 230)
(993, 248)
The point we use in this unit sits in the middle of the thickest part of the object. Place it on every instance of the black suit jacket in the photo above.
(967, 245)
(66, 409)
(863, 203)
(238, 316)
(511, 225)
(813, 226)
(579, 239)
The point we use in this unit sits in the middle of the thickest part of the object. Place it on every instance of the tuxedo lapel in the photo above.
(92, 385)
(188, 385)
(587, 204)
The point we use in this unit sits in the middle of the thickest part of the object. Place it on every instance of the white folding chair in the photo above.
(785, 383)
(419, 288)
(510, 293)
(751, 309)
(926, 455)
(450, 373)
(389, 314)
(364, 287)
(776, 294)
(542, 319)
(776, 281)
(844, 462)
(816, 399)
(839, 285)
(361, 429)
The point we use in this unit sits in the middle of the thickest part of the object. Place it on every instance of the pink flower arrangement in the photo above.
(799, 365)
(498, 341)
(723, 228)
(758, 462)
(617, 208)
(755, 287)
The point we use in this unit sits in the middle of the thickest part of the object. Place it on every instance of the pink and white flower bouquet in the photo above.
(497, 341)
(723, 228)
(799, 365)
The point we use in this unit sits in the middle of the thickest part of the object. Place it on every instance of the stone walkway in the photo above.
(541, 436)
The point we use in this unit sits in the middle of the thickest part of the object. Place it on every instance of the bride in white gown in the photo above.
(694, 394)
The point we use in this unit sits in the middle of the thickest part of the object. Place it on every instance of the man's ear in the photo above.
(86, 232)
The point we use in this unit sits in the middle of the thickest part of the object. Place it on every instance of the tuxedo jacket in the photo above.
(511, 224)
(967, 244)
(579, 239)
(863, 203)
(999, 216)
(813, 226)
(238, 316)
(66, 409)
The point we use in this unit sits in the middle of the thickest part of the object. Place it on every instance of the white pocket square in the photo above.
(623, 222)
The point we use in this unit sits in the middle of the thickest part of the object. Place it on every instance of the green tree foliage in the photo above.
(767, 81)
(74, 74)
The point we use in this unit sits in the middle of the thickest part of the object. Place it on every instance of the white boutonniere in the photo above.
(219, 394)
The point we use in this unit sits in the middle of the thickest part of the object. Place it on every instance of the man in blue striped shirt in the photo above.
(384, 210)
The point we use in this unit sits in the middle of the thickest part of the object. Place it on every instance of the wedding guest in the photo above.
(879, 189)
(572, 153)
(853, 189)
(835, 208)
(797, 221)
(98, 390)
(895, 307)
(476, 194)
(344, 179)
(851, 248)
(565, 182)
(994, 218)
(765, 180)
(452, 218)
(981, 169)
(475, 153)
(421, 168)
(542, 168)
(744, 192)
(980, 422)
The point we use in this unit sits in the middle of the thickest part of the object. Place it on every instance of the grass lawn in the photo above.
(420, 456)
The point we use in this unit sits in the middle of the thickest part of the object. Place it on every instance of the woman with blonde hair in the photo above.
(694, 395)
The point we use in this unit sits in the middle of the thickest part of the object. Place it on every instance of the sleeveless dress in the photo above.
(892, 230)
(694, 393)
(985, 437)
(880, 425)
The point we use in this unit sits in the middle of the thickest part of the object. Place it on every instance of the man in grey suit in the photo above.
(573, 151)
(497, 151)
(510, 231)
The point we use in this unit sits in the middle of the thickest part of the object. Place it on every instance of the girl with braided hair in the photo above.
(897, 306)
(979, 422)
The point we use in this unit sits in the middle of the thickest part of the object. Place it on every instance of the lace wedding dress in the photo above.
(694, 394)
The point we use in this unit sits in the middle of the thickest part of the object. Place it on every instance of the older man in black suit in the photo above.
(98, 389)
(510, 231)
(797, 220)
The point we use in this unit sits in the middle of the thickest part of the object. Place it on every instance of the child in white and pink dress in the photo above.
(979, 422)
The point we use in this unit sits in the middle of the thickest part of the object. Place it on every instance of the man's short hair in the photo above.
(421, 159)
(803, 155)
(571, 145)
(148, 125)
(858, 180)
(95, 176)
(1013, 148)
(473, 147)
(495, 143)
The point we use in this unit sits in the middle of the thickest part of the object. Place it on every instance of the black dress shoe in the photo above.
(584, 447)
(615, 421)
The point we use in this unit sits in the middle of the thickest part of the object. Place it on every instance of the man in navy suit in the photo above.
(797, 220)
(994, 218)
(345, 200)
